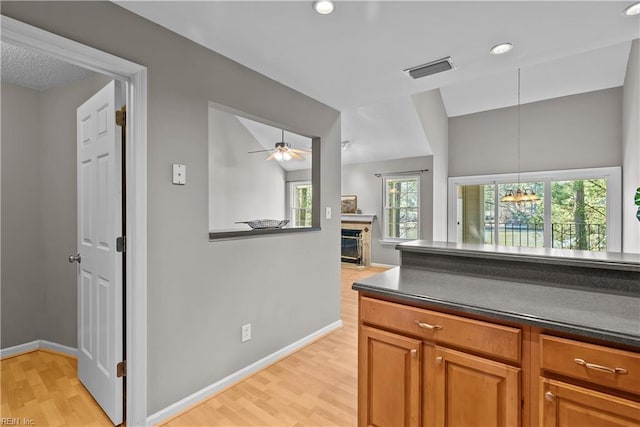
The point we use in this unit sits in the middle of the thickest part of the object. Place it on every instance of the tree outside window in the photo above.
(301, 198)
(401, 207)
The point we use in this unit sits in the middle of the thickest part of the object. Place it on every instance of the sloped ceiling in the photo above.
(353, 59)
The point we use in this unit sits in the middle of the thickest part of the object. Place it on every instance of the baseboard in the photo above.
(58, 348)
(19, 349)
(182, 405)
(37, 345)
(377, 264)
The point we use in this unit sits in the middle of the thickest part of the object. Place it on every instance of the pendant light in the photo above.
(521, 195)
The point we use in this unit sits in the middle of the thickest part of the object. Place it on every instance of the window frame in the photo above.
(291, 199)
(613, 175)
(385, 179)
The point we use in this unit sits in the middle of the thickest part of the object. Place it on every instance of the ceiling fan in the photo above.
(283, 151)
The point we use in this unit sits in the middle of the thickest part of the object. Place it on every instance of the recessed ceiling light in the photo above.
(323, 7)
(501, 48)
(634, 9)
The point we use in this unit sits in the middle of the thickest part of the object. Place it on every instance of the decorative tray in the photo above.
(259, 224)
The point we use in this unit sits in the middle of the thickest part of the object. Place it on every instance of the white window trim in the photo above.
(290, 200)
(393, 240)
(613, 175)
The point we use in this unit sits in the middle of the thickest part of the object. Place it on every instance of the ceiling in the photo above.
(353, 59)
(37, 71)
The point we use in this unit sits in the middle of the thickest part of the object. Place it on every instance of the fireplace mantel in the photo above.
(358, 218)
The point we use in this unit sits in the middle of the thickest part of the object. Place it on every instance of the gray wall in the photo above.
(631, 151)
(201, 292)
(359, 179)
(577, 131)
(39, 176)
(435, 122)
(242, 186)
(22, 296)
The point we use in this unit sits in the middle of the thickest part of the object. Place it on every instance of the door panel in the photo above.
(566, 405)
(100, 303)
(390, 363)
(473, 391)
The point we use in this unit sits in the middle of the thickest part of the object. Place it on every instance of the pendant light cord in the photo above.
(518, 127)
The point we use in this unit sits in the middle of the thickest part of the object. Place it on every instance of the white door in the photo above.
(100, 298)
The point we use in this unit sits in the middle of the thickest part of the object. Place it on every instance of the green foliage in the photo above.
(636, 200)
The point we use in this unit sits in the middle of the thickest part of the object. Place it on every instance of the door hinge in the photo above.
(121, 116)
(121, 369)
(121, 244)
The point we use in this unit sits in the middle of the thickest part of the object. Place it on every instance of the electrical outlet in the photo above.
(246, 332)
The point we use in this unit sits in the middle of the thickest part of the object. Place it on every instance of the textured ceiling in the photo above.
(36, 71)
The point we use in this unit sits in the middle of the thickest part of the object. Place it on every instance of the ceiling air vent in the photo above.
(430, 68)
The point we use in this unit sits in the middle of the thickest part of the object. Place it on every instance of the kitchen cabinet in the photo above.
(566, 405)
(470, 391)
(407, 379)
(389, 372)
(422, 367)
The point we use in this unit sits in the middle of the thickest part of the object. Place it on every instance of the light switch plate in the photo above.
(327, 212)
(179, 174)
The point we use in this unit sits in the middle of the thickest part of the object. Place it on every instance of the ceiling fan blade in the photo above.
(258, 151)
(295, 155)
(299, 150)
(271, 156)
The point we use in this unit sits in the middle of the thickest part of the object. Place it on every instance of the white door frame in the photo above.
(36, 39)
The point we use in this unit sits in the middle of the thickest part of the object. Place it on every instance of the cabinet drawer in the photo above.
(594, 363)
(483, 337)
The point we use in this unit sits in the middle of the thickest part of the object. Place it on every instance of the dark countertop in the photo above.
(602, 314)
(604, 260)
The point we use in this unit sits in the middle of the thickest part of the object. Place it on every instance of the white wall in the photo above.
(201, 292)
(359, 179)
(631, 151)
(577, 131)
(242, 186)
(435, 122)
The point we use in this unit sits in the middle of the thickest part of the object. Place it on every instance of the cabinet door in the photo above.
(471, 391)
(389, 379)
(565, 405)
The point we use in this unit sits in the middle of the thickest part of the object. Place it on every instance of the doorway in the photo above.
(29, 37)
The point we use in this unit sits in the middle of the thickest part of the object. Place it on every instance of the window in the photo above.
(300, 197)
(401, 207)
(577, 209)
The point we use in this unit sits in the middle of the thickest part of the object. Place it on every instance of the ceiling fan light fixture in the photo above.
(501, 48)
(633, 9)
(323, 7)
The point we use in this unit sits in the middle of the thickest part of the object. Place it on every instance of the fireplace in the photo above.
(356, 239)
(351, 246)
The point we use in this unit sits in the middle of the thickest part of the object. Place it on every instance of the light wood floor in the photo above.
(316, 386)
(43, 387)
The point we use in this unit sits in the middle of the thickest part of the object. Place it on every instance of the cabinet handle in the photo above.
(439, 359)
(414, 352)
(428, 326)
(549, 396)
(601, 368)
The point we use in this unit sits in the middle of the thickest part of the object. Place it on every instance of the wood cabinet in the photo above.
(566, 405)
(465, 390)
(406, 378)
(563, 404)
(389, 371)
(422, 367)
